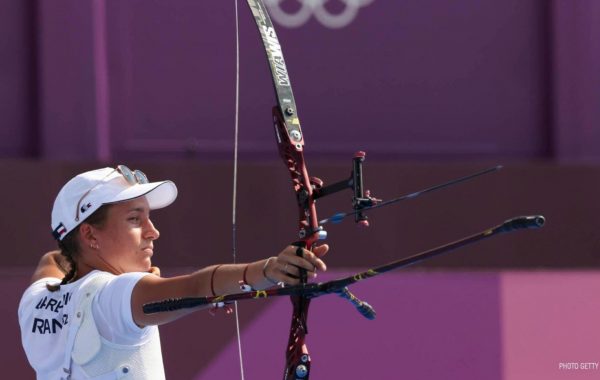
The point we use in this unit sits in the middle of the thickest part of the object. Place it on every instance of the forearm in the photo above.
(212, 280)
(225, 279)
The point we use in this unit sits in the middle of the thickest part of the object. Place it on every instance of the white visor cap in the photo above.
(103, 186)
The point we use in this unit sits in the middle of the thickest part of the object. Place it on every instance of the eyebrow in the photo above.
(138, 209)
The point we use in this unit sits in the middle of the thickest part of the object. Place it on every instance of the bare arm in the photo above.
(225, 280)
(52, 264)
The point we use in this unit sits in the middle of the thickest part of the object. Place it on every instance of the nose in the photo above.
(151, 232)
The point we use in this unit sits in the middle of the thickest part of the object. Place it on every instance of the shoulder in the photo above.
(34, 290)
(107, 285)
(120, 283)
(112, 307)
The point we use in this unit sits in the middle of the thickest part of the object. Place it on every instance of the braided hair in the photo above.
(70, 249)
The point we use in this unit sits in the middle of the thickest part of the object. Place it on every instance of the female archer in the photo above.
(82, 318)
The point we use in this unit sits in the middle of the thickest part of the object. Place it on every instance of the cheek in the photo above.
(130, 238)
(119, 239)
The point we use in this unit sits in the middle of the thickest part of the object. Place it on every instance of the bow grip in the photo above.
(301, 245)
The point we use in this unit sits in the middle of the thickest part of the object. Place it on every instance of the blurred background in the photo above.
(432, 90)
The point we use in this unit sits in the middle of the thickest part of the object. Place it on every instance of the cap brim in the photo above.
(159, 194)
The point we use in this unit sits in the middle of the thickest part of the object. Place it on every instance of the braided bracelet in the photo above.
(212, 280)
(244, 285)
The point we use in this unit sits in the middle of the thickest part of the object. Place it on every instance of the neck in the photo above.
(94, 261)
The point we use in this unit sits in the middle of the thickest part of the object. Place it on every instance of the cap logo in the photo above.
(85, 207)
(59, 231)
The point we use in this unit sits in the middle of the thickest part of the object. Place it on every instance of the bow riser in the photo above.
(293, 157)
(297, 357)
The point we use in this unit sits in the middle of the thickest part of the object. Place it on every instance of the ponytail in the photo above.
(70, 249)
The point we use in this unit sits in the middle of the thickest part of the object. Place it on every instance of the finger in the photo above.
(291, 281)
(155, 271)
(308, 261)
(291, 270)
(314, 257)
(294, 271)
(320, 250)
(282, 273)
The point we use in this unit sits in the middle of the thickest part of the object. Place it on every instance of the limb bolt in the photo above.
(296, 135)
(301, 371)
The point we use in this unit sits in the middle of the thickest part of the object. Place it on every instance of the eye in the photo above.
(135, 219)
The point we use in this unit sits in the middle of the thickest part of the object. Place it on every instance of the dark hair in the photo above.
(69, 245)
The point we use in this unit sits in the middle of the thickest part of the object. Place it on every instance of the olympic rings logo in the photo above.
(317, 9)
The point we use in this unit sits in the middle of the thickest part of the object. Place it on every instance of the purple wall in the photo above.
(19, 130)
(410, 79)
(576, 79)
(549, 319)
(152, 82)
(428, 326)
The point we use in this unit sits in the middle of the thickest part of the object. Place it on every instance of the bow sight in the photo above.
(361, 198)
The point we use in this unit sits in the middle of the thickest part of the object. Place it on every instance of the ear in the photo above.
(87, 235)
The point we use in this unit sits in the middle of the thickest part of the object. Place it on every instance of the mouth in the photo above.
(148, 250)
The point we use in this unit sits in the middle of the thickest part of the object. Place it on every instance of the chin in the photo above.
(140, 268)
(145, 268)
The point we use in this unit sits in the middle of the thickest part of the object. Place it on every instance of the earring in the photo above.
(94, 246)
